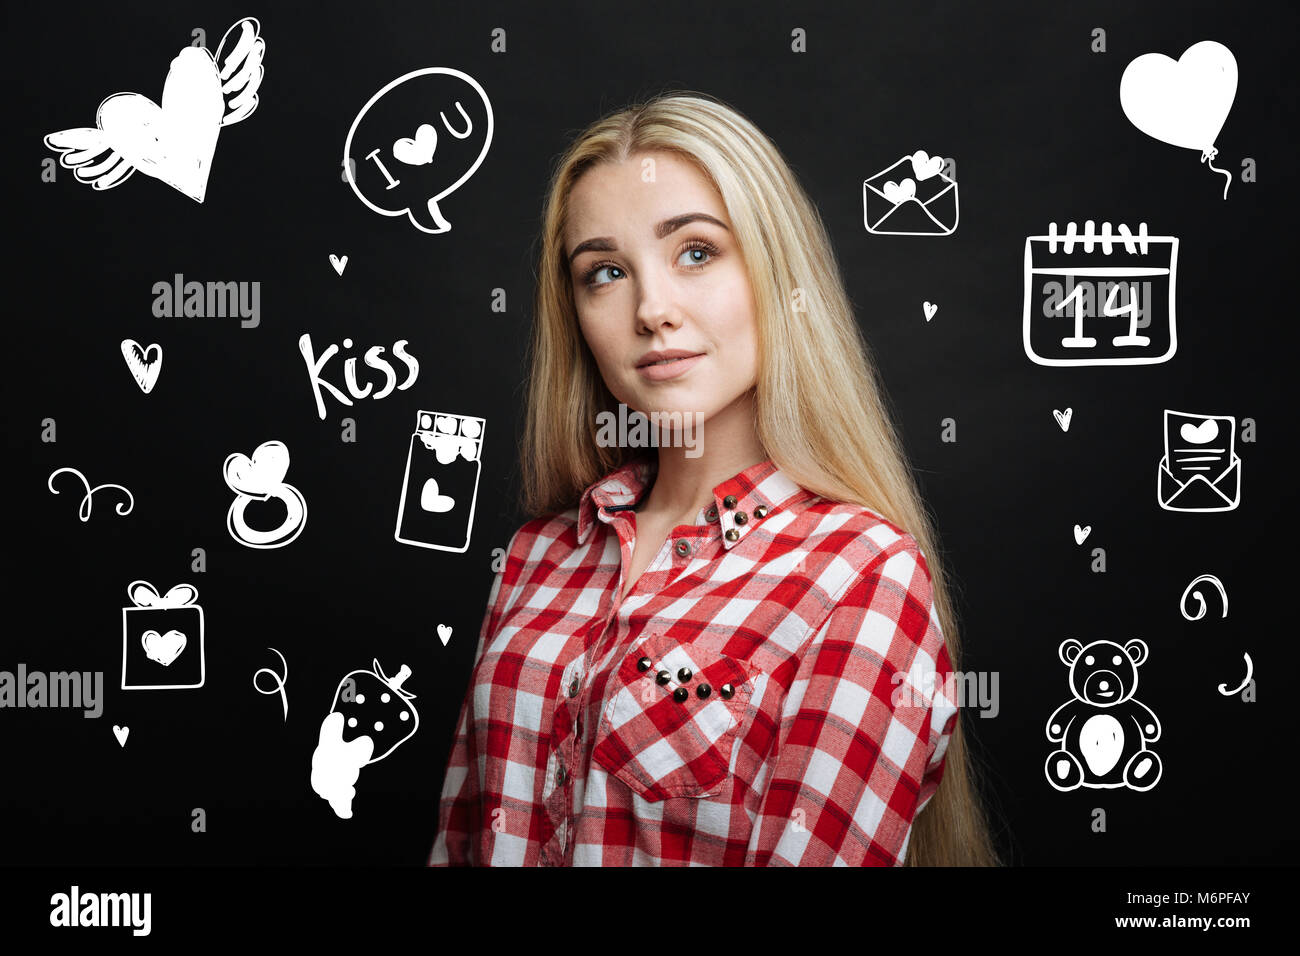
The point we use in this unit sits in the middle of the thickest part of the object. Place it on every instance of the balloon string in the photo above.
(1207, 157)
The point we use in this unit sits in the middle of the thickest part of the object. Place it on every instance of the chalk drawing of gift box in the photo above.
(162, 638)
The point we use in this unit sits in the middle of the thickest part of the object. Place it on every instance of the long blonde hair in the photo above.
(820, 413)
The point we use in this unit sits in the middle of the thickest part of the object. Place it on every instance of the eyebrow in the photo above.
(667, 227)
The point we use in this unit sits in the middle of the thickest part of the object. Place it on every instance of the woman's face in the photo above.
(657, 270)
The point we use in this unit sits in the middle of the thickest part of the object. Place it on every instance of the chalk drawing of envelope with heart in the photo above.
(913, 197)
(1200, 470)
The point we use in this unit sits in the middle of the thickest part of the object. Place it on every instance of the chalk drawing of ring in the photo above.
(290, 528)
(261, 478)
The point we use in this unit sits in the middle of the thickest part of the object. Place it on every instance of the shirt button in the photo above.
(680, 694)
(760, 512)
(561, 775)
(703, 691)
(726, 690)
(729, 502)
(711, 515)
(663, 677)
(573, 687)
(684, 674)
(733, 534)
(741, 517)
(683, 547)
(644, 664)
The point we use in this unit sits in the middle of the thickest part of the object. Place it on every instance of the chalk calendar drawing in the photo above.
(175, 142)
(1100, 297)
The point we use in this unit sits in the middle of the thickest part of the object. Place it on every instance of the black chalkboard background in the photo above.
(1014, 94)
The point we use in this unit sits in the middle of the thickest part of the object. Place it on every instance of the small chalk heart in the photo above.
(431, 499)
(1080, 533)
(444, 634)
(899, 192)
(1206, 431)
(924, 166)
(339, 263)
(418, 151)
(121, 734)
(163, 648)
(1063, 418)
(144, 363)
(929, 308)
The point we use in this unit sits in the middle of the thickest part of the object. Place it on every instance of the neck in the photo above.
(728, 443)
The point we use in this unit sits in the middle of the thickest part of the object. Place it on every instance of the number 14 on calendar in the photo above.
(1100, 297)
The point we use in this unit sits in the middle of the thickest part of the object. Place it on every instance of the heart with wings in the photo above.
(173, 142)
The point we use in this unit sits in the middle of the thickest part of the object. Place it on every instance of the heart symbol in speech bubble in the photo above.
(418, 151)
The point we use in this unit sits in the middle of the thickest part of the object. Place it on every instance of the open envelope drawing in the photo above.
(1200, 470)
(912, 197)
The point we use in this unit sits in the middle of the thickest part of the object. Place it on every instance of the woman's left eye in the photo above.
(707, 252)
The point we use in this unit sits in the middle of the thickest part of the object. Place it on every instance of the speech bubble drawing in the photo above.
(416, 141)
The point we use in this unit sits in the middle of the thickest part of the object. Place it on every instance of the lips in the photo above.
(665, 357)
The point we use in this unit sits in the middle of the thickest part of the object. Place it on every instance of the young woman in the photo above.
(724, 649)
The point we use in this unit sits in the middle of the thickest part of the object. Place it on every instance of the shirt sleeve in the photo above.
(459, 808)
(864, 728)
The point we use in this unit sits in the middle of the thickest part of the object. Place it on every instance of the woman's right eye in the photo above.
(589, 277)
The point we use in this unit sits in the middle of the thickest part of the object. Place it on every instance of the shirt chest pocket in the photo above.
(673, 716)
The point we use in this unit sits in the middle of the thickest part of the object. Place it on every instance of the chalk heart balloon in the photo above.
(396, 173)
(1182, 102)
(174, 142)
(259, 476)
(163, 648)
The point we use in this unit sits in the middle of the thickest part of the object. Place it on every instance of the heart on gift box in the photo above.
(899, 192)
(432, 500)
(418, 151)
(261, 475)
(163, 648)
(925, 166)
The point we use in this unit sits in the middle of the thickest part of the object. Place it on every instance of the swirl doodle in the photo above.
(122, 508)
(1200, 610)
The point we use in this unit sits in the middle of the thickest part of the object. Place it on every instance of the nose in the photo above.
(655, 308)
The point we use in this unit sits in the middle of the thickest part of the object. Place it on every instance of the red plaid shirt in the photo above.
(737, 707)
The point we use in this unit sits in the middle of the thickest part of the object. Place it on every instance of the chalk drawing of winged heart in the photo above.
(173, 142)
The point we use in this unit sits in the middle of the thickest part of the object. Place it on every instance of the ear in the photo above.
(1136, 650)
(1069, 651)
